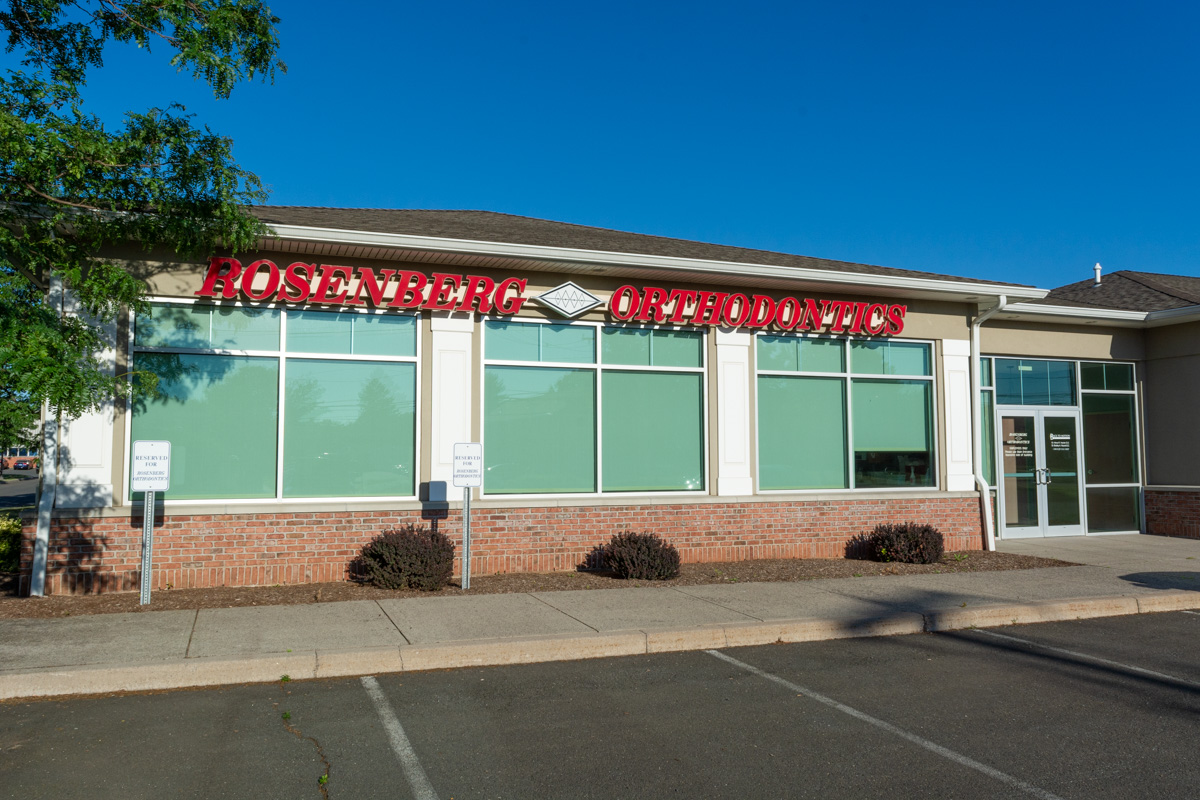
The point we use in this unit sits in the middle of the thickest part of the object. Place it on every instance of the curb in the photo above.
(218, 671)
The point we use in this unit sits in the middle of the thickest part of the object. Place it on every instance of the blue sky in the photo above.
(1017, 141)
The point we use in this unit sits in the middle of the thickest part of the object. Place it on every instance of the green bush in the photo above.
(408, 558)
(908, 542)
(10, 542)
(641, 556)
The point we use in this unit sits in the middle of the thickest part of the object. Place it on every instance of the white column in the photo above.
(956, 382)
(85, 442)
(451, 376)
(734, 475)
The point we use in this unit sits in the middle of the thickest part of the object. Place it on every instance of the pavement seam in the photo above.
(718, 605)
(394, 625)
(565, 614)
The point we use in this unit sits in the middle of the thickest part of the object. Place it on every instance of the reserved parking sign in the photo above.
(151, 466)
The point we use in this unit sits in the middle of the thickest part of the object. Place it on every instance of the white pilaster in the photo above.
(85, 443)
(734, 476)
(956, 380)
(451, 376)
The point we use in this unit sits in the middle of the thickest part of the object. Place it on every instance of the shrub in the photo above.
(10, 542)
(408, 558)
(641, 556)
(908, 542)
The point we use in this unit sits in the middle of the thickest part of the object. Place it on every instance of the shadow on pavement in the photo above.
(1165, 580)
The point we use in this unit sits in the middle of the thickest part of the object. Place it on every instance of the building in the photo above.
(741, 403)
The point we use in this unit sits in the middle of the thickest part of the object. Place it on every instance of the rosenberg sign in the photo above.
(303, 283)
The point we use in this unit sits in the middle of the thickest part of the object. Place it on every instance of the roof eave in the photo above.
(616, 261)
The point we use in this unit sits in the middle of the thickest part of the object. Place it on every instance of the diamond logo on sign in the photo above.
(568, 300)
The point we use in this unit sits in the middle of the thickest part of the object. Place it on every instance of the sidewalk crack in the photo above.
(394, 625)
(718, 605)
(565, 614)
(187, 650)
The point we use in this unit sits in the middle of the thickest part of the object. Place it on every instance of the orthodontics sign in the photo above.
(312, 284)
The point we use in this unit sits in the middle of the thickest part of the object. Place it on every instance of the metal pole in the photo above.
(147, 545)
(466, 556)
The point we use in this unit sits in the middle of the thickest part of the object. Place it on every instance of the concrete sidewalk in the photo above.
(171, 649)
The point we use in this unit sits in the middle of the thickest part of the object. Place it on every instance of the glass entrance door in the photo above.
(1039, 492)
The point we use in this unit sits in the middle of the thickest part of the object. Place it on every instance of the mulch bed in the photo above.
(13, 607)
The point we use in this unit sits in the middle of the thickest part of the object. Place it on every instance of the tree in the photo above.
(72, 190)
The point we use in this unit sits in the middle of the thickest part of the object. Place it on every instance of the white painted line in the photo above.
(422, 788)
(1086, 657)
(1197, 613)
(933, 747)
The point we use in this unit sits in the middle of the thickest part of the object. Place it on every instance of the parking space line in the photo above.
(1197, 613)
(933, 747)
(422, 788)
(1086, 657)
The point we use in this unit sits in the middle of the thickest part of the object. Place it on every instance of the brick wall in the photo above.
(1173, 513)
(90, 555)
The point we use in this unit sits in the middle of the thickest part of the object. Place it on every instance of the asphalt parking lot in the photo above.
(1106, 708)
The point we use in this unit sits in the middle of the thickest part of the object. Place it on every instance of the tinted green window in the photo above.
(653, 431)
(1034, 383)
(1113, 377)
(893, 433)
(637, 347)
(528, 341)
(349, 333)
(539, 430)
(349, 429)
(987, 409)
(889, 358)
(1109, 438)
(801, 433)
(208, 327)
(220, 415)
(985, 372)
(1113, 508)
(795, 354)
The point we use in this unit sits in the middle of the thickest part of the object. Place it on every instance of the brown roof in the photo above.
(1129, 291)
(490, 226)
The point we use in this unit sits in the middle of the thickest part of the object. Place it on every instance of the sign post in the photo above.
(468, 473)
(151, 473)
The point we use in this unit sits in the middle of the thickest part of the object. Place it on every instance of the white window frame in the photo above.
(282, 355)
(848, 377)
(599, 368)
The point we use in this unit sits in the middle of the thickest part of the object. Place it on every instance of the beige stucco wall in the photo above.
(1172, 405)
(1061, 341)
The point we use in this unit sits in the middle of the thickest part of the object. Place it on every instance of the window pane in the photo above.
(1118, 377)
(349, 429)
(1113, 509)
(385, 335)
(676, 349)
(1091, 376)
(220, 415)
(349, 333)
(794, 354)
(1035, 383)
(801, 450)
(893, 433)
(987, 408)
(985, 372)
(889, 358)
(197, 326)
(245, 328)
(627, 346)
(653, 431)
(1109, 438)
(539, 430)
(319, 332)
(528, 341)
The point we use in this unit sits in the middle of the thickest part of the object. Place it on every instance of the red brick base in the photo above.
(92, 555)
(1173, 513)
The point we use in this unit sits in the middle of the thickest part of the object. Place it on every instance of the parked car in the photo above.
(23, 465)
